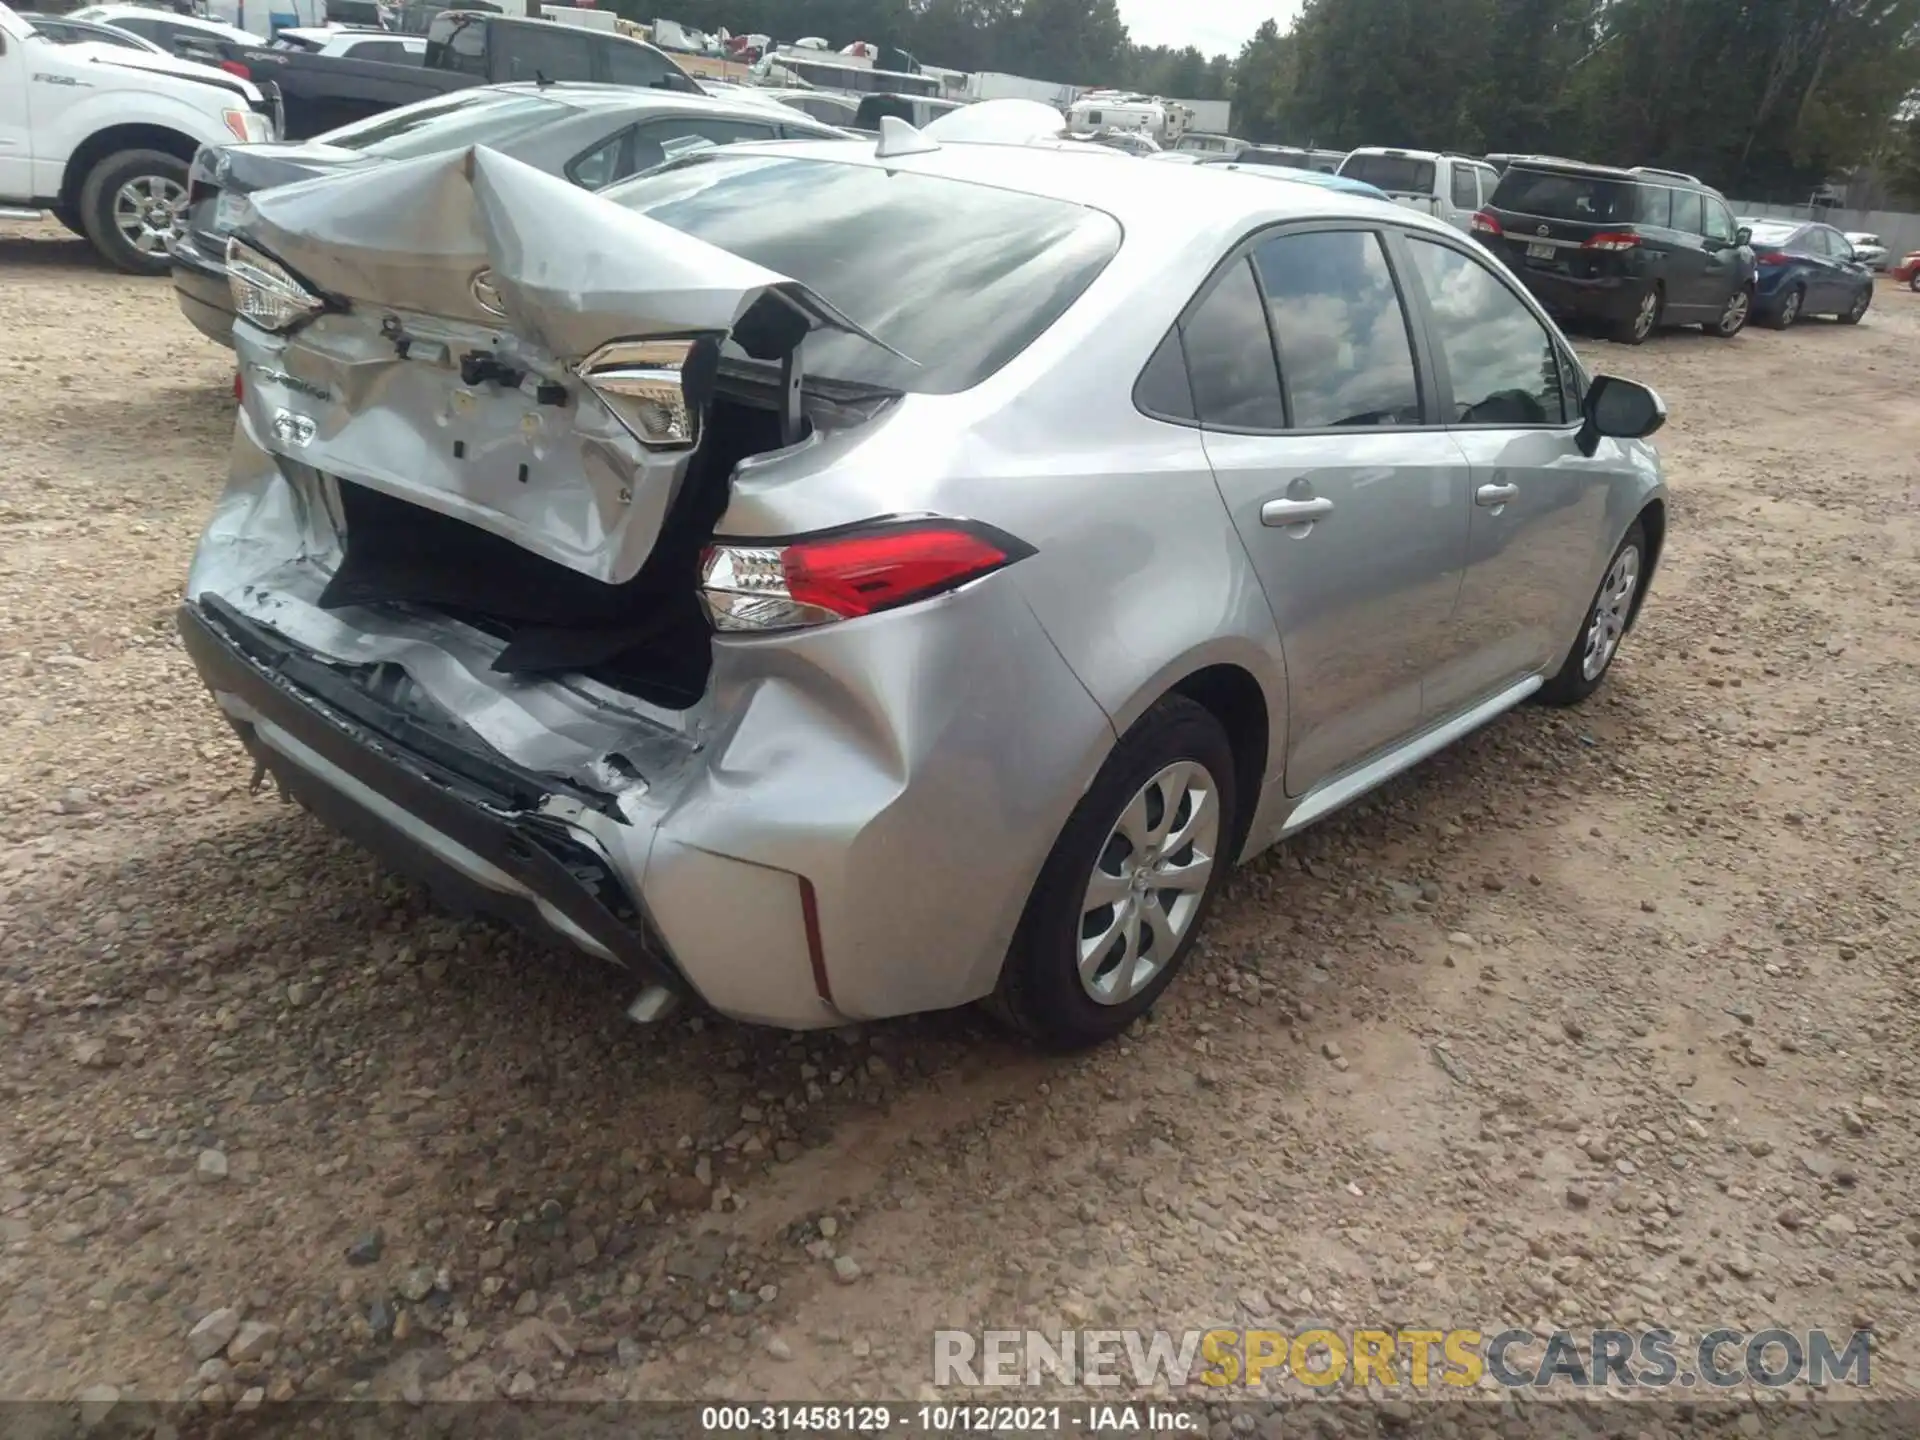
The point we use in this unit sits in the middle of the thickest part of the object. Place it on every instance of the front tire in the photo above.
(1913, 282)
(1605, 625)
(1638, 327)
(1733, 318)
(1857, 311)
(132, 204)
(70, 217)
(1128, 884)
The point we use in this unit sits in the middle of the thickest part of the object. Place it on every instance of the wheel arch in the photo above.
(1653, 524)
(111, 141)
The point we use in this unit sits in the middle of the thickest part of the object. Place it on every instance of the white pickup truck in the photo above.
(102, 136)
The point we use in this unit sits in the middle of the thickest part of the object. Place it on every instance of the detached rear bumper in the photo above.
(459, 835)
(200, 286)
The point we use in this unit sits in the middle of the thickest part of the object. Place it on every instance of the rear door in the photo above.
(1537, 513)
(1462, 192)
(1550, 219)
(1351, 505)
(1830, 287)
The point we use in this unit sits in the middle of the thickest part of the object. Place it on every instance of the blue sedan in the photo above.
(1807, 269)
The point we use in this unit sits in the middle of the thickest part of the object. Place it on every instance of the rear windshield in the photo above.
(1558, 195)
(960, 277)
(447, 122)
(1391, 172)
(1772, 232)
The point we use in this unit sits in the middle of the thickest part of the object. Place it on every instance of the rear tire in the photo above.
(1913, 282)
(1099, 942)
(1733, 318)
(1604, 625)
(1858, 310)
(1791, 306)
(131, 203)
(1638, 327)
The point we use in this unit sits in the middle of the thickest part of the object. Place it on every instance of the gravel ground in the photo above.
(1603, 1017)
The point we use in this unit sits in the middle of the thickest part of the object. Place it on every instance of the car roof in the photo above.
(595, 95)
(1171, 202)
(111, 13)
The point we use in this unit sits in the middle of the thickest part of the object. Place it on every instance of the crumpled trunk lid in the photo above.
(467, 289)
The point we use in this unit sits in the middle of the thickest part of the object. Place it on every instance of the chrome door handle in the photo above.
(1294, 512)
(1494, 496)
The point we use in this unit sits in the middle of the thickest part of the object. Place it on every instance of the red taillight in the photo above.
(1774, 257)
(1612, 240)
(238, 392)
(1485, 224)
(234, 67)
(843, 576)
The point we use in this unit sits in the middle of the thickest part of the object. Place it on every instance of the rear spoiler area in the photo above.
(475, 236)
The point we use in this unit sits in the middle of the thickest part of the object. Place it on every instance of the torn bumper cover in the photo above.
(456, 821)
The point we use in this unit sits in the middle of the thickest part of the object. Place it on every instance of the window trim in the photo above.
(1241, 252)
(1443, 374)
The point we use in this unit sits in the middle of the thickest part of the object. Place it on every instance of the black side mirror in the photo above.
(1743, 236)
(1619, 409)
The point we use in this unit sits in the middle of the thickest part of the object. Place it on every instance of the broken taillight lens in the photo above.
(643, 383)
(844, 574)
(265, 291)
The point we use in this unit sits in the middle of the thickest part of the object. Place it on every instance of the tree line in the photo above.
(1764, 98)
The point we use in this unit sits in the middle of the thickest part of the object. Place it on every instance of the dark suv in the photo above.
(1633, 249)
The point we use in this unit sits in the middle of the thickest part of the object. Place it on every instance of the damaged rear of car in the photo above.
(481, 592)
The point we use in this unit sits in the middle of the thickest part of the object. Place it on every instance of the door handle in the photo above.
(1295, 512)
(1494, 496)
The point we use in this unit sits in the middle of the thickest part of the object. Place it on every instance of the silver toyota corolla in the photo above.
(836, 581)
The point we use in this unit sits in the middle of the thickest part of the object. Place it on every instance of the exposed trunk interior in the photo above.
(648, 637)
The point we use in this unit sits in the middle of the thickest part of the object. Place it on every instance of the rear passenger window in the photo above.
(1689, 217)
(1501, 359)
(1163, 391)
(603, 164)
(1465, 196)
(1654, 206)
(1345, 358)
(1230, 357)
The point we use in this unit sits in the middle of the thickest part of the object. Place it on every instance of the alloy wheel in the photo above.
(1860, 302)
(1148, 882)
(1648, 312)
(1790, 309)
(1610, 612)
(1735, 315)
(148, 210)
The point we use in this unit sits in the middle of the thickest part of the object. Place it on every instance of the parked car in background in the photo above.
(757, 529)
(355, 44)
(184, 35)
(1907, 272)
(591, 134)
(917, 110)
(830, 107)
(464, 48)
(1201, 142)
(102, 135)
(1630, 249)
(1869, 249)
(1449, 187)
(65, 30)
(1805, 269)
(1344, 183)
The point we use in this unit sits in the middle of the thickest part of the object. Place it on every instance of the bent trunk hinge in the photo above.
(792, 414)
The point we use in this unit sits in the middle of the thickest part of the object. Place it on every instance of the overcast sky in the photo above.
(1216, 26)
